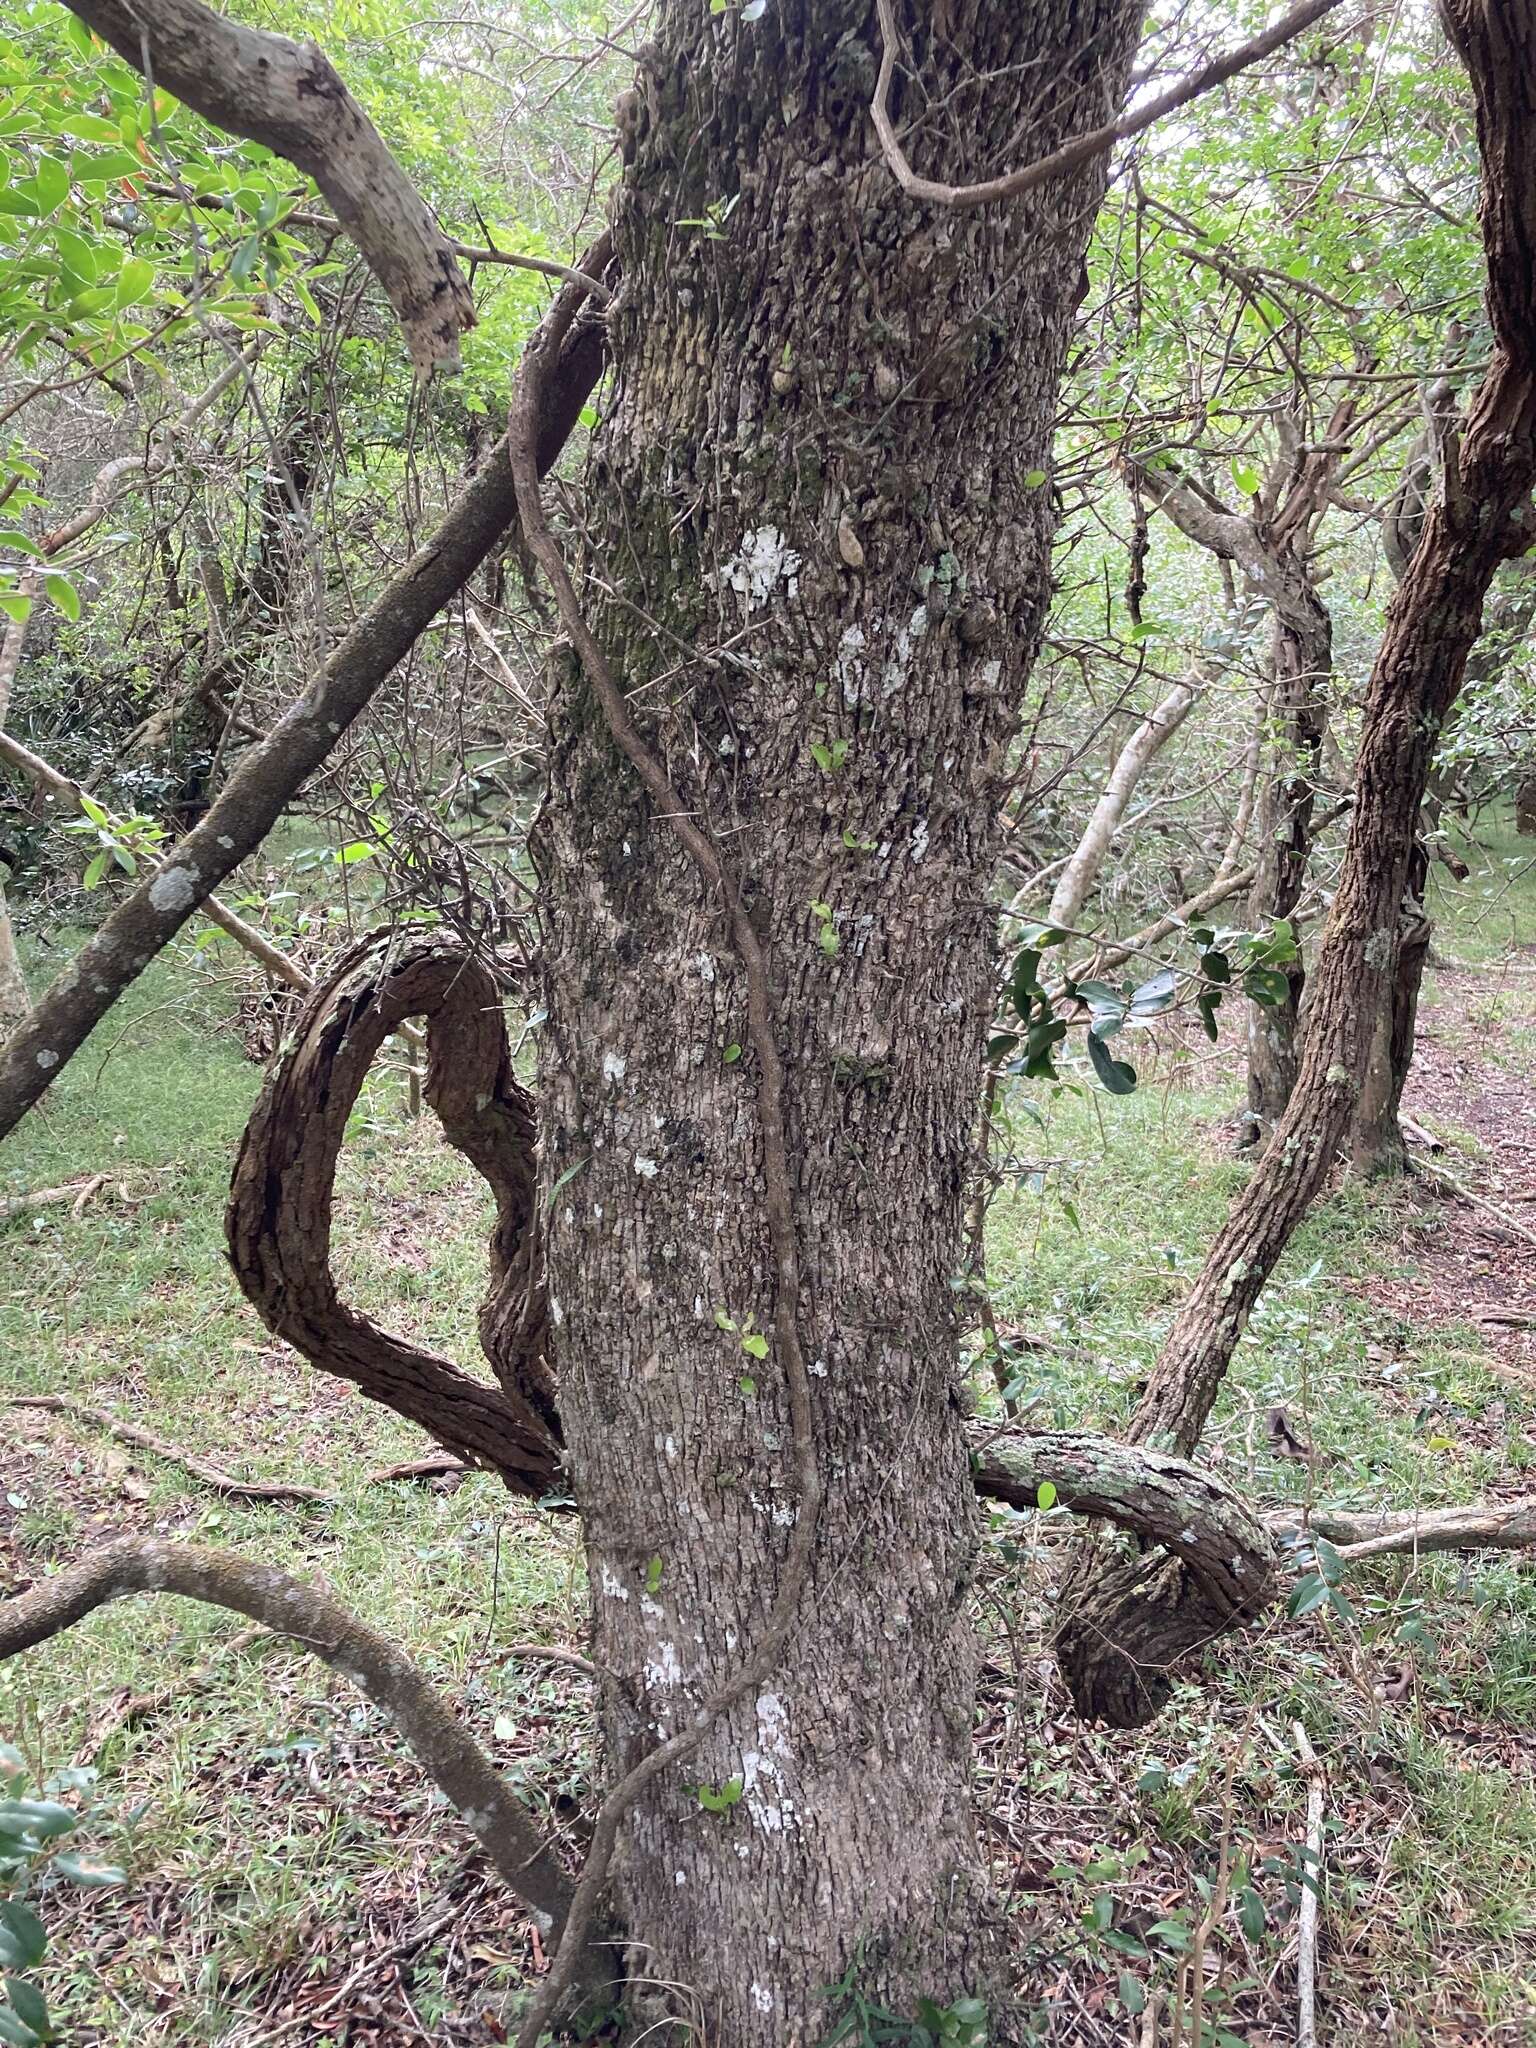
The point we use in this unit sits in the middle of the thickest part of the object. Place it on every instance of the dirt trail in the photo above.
(1469, 1077)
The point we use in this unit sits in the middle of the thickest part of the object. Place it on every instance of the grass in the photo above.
(275, 1837)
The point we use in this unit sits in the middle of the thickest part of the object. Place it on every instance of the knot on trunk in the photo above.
(1205, 1563)
(278, 1223)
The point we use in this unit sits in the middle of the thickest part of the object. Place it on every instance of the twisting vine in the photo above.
(522, 439)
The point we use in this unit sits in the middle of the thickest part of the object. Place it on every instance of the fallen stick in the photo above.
(550, 1653)
(142, 1439)
(443, 1464)
(1387, 1532)
(130, 1707)
(1433, 1170)
(1311, 1891)
(76, 1192)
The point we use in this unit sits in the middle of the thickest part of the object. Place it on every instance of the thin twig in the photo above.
(143, 1440)
(1083, 148)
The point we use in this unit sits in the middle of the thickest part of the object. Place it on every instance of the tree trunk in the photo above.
(1525, 807)
(15, 1003)
(821, 575)
(1481, 518)
(1376, 1147)
(1303, 661)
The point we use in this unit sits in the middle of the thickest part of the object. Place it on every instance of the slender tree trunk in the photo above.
(1375, 1145)
(1303, 661)
(1481, 518)
(821, 575)
(1131, 763)
(15, 1003)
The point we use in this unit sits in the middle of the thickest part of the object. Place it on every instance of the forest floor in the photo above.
(290, 1878)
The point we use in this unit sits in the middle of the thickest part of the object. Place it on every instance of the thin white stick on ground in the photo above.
(1311, 1895)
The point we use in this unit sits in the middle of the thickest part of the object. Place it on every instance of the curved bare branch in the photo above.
(311, 1617)
(278, 1223)
(290, 97)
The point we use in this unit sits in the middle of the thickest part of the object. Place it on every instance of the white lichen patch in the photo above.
(174, 889)
(665, 1668)
(611, 1584)
(764, 560)
(47, 1060)
(614, 1068)
(646, 1168)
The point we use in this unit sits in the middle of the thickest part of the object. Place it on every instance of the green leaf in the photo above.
(1250, 1911)
(1033, 479)
(1154, 996)
(45, 1818)
(23, 1938)
(731, 1055)
(653, 1573)
(1118, 1076)
(720, 1799)
(1309, 1592)
(29, 2007)
(1045, 1496)
(1245, 477)
(10, 537)
(95, 870)
(50, 181)
(747, 1384)
(1208, 1002)
(1267, 985)
(755, 1345)
(13, 2033)
(16, 606)
(63, 593)
(1132, 1996)
(135, 281)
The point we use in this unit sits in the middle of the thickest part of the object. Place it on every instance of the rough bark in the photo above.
(272, 773)
(1479, 520)
(1302, 664)
(288, 96)
(15, 1002)
(279, 1218)
(812, 532)
(1375, 1145)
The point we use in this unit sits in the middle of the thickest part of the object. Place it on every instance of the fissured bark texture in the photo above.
(817, 552)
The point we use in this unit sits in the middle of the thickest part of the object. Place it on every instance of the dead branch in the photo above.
(76, 1192)
(272, 773)
(1084, 148)
(289, 97)
(145, 1440)
(127, 1709)
(1311, 1886)
(443, 1466)
(1400, 1532)
(311, 1617)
